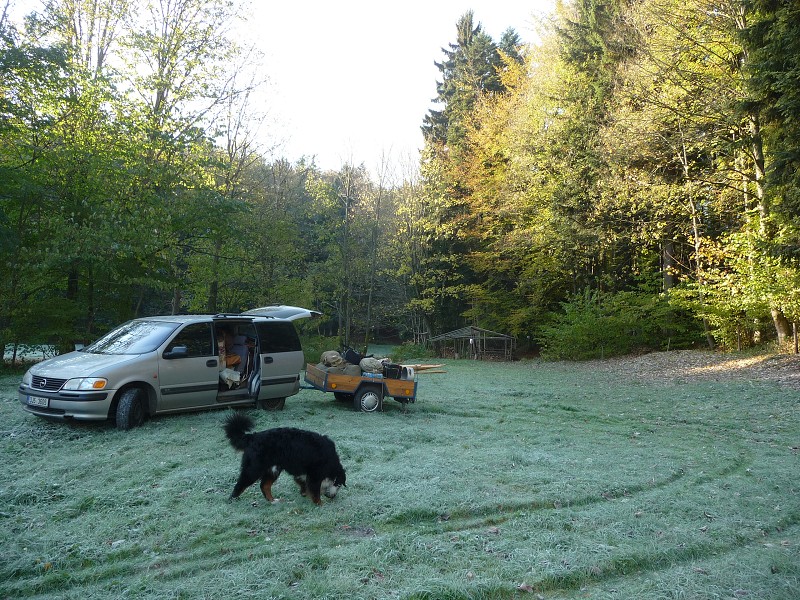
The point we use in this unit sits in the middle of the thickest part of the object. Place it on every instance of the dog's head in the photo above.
(330, 485)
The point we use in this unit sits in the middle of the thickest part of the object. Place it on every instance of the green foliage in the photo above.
(628, 151)
(470, 69)
(315, 345)
(597, 325)
(628, 146)
(773, 42)
(472, 73)
(747, 274)
(409, 352)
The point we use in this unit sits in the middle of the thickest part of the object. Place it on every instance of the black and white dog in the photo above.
(308, 456)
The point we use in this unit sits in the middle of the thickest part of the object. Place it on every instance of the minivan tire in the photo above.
(130, 409)
(272, 403)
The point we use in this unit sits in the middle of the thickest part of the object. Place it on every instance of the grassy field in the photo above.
(527, 480)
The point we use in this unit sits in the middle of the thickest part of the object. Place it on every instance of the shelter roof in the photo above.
(471, 332)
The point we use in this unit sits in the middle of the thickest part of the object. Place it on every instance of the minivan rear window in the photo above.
(134, 337)
(278, 336)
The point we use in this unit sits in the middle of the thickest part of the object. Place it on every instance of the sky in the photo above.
(351, 81)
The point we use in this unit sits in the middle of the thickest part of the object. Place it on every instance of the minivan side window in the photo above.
(278, 336)
(197, 339)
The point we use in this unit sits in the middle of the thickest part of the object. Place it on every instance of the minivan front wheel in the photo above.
(130, 409)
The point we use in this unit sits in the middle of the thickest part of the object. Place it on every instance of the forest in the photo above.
(629, 182)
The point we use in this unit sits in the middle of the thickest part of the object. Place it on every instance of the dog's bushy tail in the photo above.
(236, 427)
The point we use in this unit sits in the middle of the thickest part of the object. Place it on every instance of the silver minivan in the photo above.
(167, 364)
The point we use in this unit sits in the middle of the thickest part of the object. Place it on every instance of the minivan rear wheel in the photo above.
(130, 409)
(272, 403)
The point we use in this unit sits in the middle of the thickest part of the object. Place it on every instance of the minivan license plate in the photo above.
(36, 401)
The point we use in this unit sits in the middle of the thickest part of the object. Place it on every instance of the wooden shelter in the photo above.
(474, 342)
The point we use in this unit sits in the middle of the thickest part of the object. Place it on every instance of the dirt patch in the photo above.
(689, 365)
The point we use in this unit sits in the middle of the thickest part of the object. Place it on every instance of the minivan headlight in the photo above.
(86, 383)
(27, 379)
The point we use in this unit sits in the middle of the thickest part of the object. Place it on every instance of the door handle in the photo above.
(211, 363)
(268, 360)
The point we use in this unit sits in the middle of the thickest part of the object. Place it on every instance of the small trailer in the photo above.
(365, 391)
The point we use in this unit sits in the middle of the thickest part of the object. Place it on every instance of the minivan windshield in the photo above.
(134, 337)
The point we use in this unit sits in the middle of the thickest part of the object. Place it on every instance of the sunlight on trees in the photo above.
(639, 164)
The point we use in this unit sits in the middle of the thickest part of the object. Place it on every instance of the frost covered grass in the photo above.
(503, 480)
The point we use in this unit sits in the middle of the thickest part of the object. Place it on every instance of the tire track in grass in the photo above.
(649, 562)
(210, 550)
(128, 575)
(493, 514)
(207, 552)
(638, 564)
(625, 564)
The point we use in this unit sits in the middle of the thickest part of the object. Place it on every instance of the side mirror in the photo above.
(177, 352)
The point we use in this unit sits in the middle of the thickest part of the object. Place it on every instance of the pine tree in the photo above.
(470, 69)
(772, 40)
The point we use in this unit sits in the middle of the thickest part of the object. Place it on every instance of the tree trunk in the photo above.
(783, 328)
(177, 298)
(213, 287)
(782, 325)
(90, 308)
(668, 263)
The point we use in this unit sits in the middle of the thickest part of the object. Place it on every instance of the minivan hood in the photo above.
(79, 364)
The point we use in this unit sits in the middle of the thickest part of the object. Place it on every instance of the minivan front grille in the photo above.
(48, 384)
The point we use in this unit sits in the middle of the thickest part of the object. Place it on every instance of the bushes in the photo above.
(409, 352)
(598, 325)
(315, 345)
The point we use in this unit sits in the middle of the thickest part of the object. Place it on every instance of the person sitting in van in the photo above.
(227, 357)
(239, 349)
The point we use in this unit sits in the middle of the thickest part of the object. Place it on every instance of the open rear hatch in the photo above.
(281, 311)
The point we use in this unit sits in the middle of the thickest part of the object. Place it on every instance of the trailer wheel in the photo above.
(368, 399)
